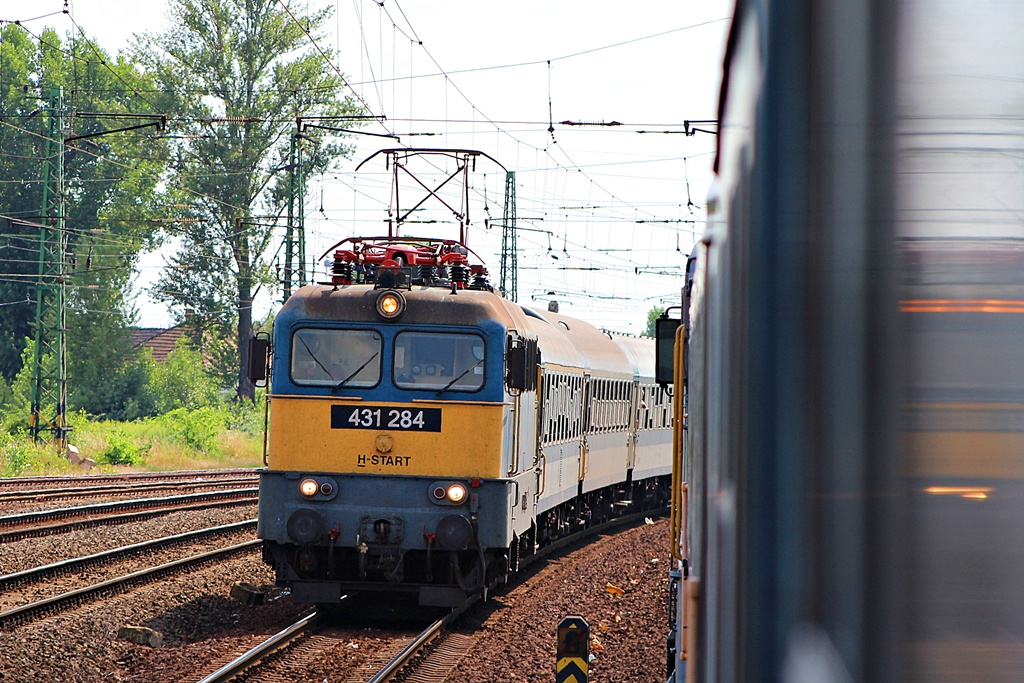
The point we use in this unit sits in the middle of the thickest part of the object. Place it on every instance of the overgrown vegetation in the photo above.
(228, 79)
(121, 450)
(207, 437)
(19, 456)
(180, 420)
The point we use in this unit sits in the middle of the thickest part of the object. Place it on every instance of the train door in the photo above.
(583, 397)
(523, 381)
(515, 458)
(635, 401)
(526, 412)
(543, 407)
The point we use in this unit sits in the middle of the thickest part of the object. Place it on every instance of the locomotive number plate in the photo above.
(383, 417)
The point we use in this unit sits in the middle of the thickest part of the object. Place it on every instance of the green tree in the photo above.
(181, 382)
(238, 73)
(652, 316)
(113, 380)
(110, 182)
(20, 196)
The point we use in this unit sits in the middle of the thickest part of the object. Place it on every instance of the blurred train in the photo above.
(848, 499)
(426, 434)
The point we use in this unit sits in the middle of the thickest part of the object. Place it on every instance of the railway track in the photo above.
(288, 655)
(87, 480)
(303, 629)
(49, 572)
(41, 523)
(67, 600)
(42, 495)
(427, 657)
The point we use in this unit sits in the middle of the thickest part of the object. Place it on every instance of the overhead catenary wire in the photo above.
(328, 61)
(622, 211)
(470, 102)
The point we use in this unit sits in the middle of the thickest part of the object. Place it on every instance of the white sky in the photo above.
(587, 190)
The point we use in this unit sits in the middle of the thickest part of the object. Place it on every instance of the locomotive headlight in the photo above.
(305, 526)
(456, 493)
(448, 492)
(390, 304)
(309, 487)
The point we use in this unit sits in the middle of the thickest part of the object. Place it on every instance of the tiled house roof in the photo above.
(161, 341)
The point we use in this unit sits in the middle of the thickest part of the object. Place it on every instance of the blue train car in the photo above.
(850, 465)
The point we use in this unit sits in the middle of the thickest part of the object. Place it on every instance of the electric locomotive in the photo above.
(425, 434)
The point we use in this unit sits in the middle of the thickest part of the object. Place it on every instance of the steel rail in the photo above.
(107, 556)
(137, 509)
(410, 650)
(24, 612)
(113, 489)
(46, 530)
(14, 482)
(403, 657)
(119, 506)
(267, 647)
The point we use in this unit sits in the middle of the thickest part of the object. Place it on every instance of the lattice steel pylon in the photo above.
(295, 232)
(49, 375)
(509, 286)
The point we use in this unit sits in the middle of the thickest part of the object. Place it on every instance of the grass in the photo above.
(207, 438)
(20, 457)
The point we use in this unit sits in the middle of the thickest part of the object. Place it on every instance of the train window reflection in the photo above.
(439, 360)
(968, 492)
(335, 358)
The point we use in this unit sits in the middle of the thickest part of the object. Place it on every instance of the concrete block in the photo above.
(141, 635)
(243, 591)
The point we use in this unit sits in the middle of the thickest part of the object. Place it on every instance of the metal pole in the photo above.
(509, 266)
(50, 385)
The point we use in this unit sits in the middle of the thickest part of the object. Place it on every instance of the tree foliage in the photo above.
(181, 382)
(15, 408)
(236, 74)
(652, 317)
(110, 185)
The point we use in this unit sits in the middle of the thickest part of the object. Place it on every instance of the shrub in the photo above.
(18, 398)
(247, 416)
(181, 381)
(121, 450)
(196, 429)
(15, 455)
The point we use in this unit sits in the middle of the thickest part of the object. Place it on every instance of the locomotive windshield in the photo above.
(336, 358)
(439, 360)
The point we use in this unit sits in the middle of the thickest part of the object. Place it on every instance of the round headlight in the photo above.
(454, 532)
(456, 493)
(308, 487)
(390, 304)
(327, 488)
(440, 493)
(305, 526)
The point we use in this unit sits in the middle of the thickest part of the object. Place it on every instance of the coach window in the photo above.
(336, 358)
(439, 360)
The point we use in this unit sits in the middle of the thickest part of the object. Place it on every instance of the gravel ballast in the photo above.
(628, 629)
(200, 624)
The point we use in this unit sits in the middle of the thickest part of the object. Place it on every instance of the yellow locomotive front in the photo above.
(396, 459)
